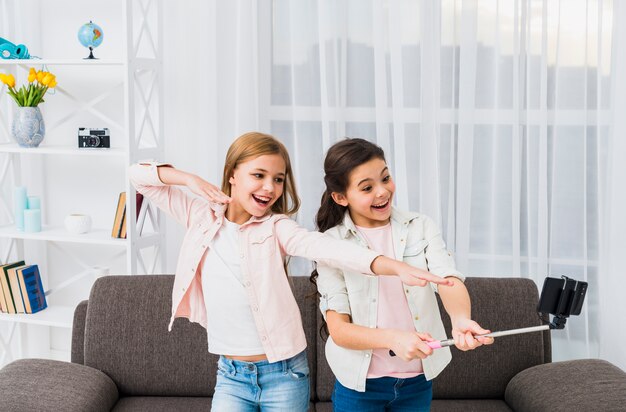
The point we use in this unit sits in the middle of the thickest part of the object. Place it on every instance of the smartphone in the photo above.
(562, 297)
(578, 298)
(550, 295)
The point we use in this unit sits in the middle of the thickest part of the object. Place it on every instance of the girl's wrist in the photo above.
(400, 267)
(187, 178)
(458, 321)
(389, 338)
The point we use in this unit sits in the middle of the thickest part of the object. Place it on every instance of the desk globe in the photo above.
(90, 35)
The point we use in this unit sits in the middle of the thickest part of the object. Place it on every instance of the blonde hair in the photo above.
(252, 145)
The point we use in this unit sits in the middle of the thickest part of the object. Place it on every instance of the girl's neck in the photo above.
(374, 227)
(364, 222)
(237, 214)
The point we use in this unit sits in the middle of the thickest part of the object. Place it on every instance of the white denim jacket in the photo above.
(418, 240)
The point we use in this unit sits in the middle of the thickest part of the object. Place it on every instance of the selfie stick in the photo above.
(450, 342)
(557, 323)
(560, 297)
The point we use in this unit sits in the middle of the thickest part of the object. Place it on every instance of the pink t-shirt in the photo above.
(393, 310)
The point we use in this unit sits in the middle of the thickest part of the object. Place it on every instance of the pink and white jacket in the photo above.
(263, 245)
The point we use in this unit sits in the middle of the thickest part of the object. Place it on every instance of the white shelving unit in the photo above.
(63, 62)
(140, 129)
(62, 150)
(55, 316)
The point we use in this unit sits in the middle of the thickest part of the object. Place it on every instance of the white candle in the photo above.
(32, 220)
(34, 202)
(20, 202)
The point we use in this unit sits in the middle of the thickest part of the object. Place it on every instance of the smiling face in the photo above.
(369, 194)
(256, 185)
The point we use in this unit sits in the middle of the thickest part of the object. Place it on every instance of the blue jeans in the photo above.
(385, 394)
(262, 386)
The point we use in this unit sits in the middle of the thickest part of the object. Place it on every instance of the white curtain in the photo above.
(503, 120)
(612, 306)
(496, 118)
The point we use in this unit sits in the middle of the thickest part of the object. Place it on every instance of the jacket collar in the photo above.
(263, 218)
(219, 210)
(401, 217)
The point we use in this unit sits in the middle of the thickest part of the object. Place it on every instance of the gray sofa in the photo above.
(123, 358)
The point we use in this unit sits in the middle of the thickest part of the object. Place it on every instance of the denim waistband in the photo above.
(264, 366)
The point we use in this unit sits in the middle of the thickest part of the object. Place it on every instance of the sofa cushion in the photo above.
(128, 340)
(497, 304)
(324, 407)
(49, 385)
(469, 405)
(306, 296)
(165, 404)
(578, 385)
(162, 404)
(325, 382)
(460, 405)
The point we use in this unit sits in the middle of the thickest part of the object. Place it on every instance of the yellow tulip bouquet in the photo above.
(38, 84)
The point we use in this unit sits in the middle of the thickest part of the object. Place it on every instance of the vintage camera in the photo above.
(94, 137)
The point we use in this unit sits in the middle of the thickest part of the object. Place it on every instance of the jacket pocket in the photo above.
(416, 248)
(263, 244)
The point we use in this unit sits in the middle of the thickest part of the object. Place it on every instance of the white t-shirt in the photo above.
(230, 324)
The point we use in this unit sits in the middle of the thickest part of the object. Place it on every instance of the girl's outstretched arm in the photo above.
(409, 275)
(325, 249)
(456, 300)
(407, 345)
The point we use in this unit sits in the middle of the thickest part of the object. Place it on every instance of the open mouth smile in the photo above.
(382, 205)
(262, 200)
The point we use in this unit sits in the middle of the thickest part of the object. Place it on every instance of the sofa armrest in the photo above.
(578, 385)
(49, 385)
(78, 333)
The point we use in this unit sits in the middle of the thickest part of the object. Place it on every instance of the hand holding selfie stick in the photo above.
(559, 297)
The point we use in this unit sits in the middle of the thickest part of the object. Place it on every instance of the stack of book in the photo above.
(120, 221)
(21, 290)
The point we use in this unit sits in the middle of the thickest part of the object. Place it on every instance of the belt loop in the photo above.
(231, 365)
(285, 366)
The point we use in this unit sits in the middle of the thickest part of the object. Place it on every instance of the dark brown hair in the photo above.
(341, 159)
